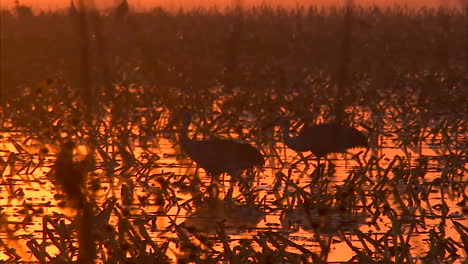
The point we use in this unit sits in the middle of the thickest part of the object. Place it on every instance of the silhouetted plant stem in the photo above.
(101, 58)
(466, 35)
(87, 94)
(87, 247)
(344, 63)
(445, 25)
(233, 45)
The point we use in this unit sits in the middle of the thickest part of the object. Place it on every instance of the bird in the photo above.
(23, 11)
(323, 139)
(218, 156)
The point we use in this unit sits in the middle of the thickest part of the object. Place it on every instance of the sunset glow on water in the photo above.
(201, 219)
(240, 135)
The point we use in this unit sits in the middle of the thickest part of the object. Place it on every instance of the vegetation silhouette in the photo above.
(160, 62)
(122, 10)
(23, 11)
(72, 10)
(68, 176)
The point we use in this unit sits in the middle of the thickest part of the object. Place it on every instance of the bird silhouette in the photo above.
(217, 156)
(323, 139)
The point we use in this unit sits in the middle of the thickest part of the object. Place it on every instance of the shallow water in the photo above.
(366, 194)
(402, 200)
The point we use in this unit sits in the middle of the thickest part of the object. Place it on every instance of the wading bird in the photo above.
(323, 139)
(217, 156)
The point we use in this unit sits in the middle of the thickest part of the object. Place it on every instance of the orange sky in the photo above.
(175, 4)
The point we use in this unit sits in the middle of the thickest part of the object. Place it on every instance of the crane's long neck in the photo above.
(184, 139)
(291, 142)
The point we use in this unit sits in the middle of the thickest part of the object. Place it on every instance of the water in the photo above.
(402, 200)
(388, 201)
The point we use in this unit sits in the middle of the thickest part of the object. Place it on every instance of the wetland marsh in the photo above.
(113, 87)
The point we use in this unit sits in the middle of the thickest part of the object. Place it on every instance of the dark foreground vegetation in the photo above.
(115, 83)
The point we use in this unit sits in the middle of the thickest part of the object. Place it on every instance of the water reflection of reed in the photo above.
(411, 185)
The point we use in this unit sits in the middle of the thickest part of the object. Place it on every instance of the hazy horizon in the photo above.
(142, 5)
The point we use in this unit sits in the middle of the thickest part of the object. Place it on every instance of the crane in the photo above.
(217, 156)
(323, 139)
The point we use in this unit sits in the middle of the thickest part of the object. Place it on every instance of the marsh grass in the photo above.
(141, 201)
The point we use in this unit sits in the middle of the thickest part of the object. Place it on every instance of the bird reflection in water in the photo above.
(232, 215)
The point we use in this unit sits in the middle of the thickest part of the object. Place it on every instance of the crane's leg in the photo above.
(346, 160)
(213, 191)
(249, 176)
(236, 176)
(196, 177)
(214, 178)
(322, 165)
